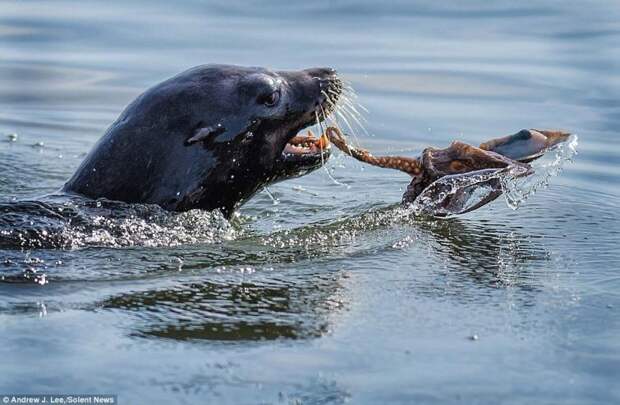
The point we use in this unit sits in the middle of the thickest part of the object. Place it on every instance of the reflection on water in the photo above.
(487, 254)
(234, 311)
(335, 294)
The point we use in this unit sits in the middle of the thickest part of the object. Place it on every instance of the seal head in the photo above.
(210, 138)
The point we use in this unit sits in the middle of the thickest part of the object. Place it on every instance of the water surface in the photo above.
(332, 294)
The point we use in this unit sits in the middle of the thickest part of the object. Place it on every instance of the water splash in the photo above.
(79, 223)
(458, 194)
(518, 190)
(461, 193)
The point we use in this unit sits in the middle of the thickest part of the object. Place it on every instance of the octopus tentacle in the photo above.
(526, 145)
(406, 164)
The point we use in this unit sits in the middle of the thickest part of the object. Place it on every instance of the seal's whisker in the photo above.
(350, 92)
(329, 99)
(342, 99)
(341, 114)
(346, 83)
(321, 130)
(356, 119)
(352, 104)
(345, 104)
(362, 107)
(349, 108)
(335, 93)
(337, 105)
(318, 121)
(324, 131)
(334, 106)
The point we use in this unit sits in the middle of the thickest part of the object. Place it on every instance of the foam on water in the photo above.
(80, 223)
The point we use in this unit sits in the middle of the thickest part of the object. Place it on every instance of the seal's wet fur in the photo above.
(207, 138)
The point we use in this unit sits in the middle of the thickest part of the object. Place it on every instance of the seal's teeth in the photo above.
(310, 133)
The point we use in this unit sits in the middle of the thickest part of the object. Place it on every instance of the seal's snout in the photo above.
(329, 87)
(327, 78)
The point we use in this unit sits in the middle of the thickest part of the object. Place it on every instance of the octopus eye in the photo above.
(270, 100)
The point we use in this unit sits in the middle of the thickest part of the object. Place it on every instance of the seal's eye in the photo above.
(270, 99)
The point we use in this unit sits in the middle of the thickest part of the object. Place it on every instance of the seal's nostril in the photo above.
(322, 73)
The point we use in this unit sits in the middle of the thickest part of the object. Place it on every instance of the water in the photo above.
(333, 294)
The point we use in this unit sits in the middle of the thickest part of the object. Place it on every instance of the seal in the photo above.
(210, 138)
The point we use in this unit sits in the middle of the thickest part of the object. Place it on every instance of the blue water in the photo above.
(331, 295)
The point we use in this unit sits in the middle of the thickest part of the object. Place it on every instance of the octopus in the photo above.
(458, 159)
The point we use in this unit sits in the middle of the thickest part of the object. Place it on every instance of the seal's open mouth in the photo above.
(302, 154)
(307, 144)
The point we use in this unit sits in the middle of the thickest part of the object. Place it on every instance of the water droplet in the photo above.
(42, 309)
(41, 279)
